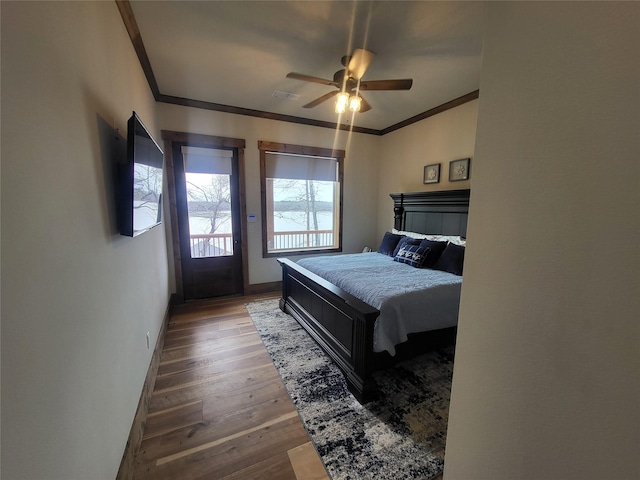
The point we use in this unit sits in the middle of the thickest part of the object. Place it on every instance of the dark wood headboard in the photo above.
(442, 213)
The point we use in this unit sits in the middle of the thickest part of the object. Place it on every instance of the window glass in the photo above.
(301, 199)
(208, 184)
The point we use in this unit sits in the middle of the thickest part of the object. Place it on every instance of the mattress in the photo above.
(410, 300)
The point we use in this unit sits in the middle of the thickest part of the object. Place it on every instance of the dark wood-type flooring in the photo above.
(219, 409)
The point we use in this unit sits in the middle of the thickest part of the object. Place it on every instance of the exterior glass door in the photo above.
(207, 200)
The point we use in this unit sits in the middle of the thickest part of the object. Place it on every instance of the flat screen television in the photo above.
(140, 181)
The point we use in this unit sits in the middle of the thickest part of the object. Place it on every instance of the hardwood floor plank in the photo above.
(253, 394)
(234, 454)
(201, 337)
(220, 441)
(171, 419)
(217, 424)
(306, 463)
(209, 371)
(219, 408)
(193, 311)
(191, 351)
(277, 467)
(206, 319)
(200, 361)
(161, 400)
(206, 381)
(212, 325)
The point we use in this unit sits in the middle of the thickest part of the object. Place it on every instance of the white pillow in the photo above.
(409, 234)
(455, 239)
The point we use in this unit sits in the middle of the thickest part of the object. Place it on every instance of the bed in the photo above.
(346, 322)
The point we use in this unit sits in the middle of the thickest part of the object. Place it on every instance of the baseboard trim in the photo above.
(128, 463)
(269, 287)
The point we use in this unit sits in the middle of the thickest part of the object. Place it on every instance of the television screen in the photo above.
(141, 181)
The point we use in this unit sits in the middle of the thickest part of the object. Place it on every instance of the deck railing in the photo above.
(211, 245)
(221, 244)
(295, 240)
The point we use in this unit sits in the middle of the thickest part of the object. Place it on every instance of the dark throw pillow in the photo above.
(405, 241)
(451, 259)
(389, 243)
(413, 255)
(436, 250)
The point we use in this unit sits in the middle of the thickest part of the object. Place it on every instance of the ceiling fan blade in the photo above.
(321, 99)
(359, 62)
(401, 84)
(309, 78)
(364, 105)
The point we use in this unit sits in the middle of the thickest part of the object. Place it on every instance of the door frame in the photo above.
(196, 139)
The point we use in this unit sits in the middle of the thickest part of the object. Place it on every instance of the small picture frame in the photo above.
(432, 173)
(459, 170)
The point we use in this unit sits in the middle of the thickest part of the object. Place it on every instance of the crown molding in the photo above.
(124, 6)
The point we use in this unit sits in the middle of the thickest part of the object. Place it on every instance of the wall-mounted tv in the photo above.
(140, 181)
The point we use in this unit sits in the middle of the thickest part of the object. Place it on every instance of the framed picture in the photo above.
(459, 170)
(432, 173)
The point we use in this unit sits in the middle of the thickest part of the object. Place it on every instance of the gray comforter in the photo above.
(410, 299)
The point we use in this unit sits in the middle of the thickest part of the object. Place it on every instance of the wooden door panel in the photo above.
(220, 274)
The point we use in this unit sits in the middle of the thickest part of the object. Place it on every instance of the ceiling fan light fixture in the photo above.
(355, 101)
(349, 83)
(342, 102)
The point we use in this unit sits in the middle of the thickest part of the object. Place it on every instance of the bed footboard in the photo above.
(340, 323)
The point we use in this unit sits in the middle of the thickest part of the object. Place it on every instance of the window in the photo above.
(301, 199)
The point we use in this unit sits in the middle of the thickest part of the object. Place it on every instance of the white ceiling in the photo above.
(238, 53)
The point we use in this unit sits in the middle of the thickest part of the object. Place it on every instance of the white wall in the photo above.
(77, 298)
(448, 136)
(360, 172)
(547, 371)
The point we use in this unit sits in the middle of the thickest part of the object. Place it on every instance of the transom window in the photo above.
(301, 199)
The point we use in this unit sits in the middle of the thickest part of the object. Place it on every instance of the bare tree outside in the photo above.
(301, 193)
(209, 199)
(147, 184)
(296, 197)
(147, 188)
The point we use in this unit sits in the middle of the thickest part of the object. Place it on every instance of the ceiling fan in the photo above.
(349, 84)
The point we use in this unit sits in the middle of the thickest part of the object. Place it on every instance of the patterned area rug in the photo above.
(400, 435)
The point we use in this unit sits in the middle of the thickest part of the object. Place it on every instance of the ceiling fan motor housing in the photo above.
(339, 78)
